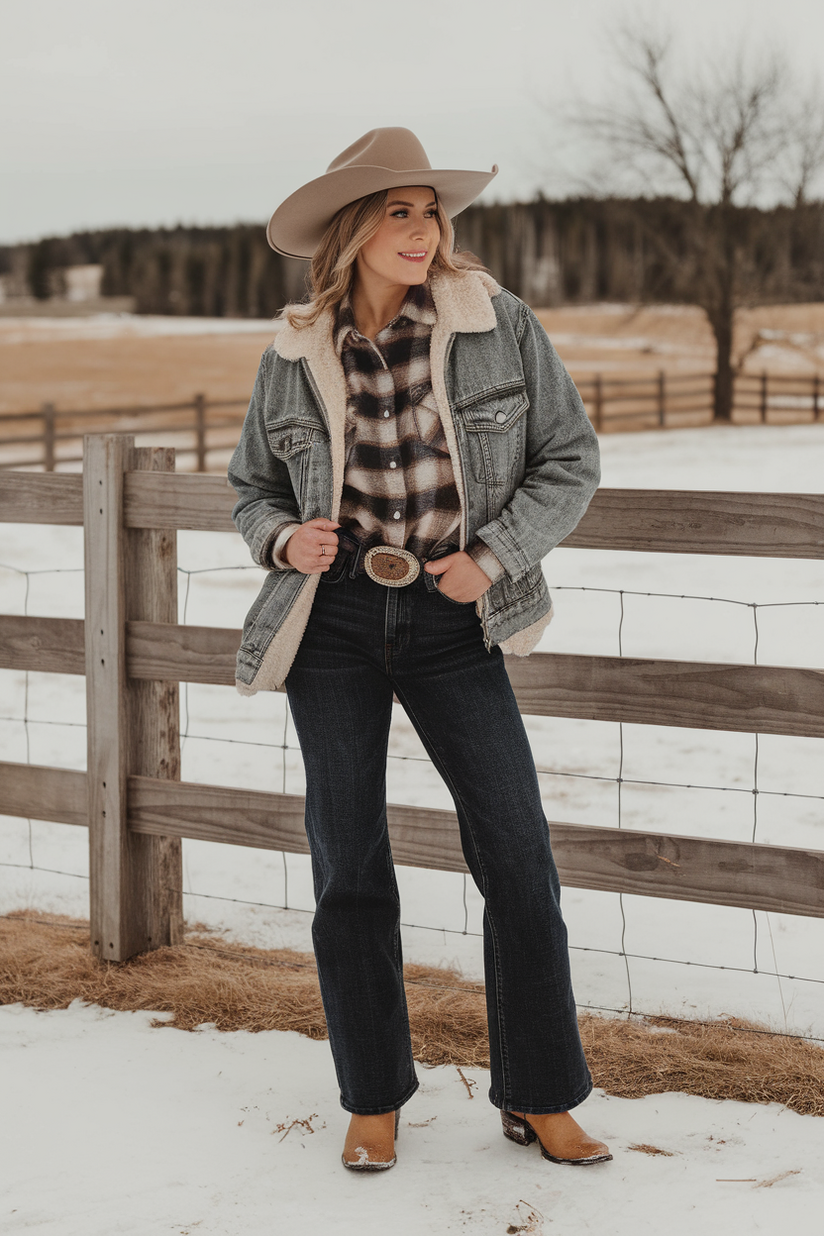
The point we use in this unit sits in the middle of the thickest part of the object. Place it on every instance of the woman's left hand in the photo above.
(461, 577)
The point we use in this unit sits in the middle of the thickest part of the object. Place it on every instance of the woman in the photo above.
(415, 447)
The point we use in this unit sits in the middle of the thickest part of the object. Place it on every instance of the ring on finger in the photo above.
(322, 551)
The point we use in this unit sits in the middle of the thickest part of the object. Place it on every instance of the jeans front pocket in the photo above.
(451, 600)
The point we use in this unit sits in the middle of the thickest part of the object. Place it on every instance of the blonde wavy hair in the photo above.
(332, 270)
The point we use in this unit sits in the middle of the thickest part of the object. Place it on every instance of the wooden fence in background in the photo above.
(202, 426)
(134, 654)
(53, 436)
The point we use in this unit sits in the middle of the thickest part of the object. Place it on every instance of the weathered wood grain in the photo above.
(40, 498)
(39, 793)
(661, 521)
(702, 695)
(693, 694)
(754, 877)
(154, 711)
(761, 877)
(196, 503)
(114, 895)
(696, 522)
(217, 813)
(664, 521)
(135, 903)
(46, 645)
(182, 653)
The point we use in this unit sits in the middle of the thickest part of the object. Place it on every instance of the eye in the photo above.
(399, 214)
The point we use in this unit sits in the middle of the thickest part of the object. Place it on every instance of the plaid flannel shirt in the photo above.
(399, 485)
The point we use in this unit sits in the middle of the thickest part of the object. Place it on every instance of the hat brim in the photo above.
(297, 226)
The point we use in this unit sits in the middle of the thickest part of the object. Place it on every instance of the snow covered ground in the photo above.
(191, 1165)
(126, 325)
(111, 1126)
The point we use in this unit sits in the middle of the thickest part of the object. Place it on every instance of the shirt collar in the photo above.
(419, 306)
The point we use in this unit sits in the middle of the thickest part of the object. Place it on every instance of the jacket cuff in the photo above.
(271, 555)
(506, 550)
(486, 560)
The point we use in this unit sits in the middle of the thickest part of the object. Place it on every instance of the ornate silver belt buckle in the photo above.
(395, 568)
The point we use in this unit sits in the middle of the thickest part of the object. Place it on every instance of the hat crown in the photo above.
(394, 148)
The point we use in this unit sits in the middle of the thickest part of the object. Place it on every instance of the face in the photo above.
(402, 249)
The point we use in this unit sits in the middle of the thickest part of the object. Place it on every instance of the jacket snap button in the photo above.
(500, 417)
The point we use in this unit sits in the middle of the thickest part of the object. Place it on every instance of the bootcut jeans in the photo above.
(363, 642)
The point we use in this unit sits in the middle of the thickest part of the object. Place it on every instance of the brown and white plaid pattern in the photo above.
(399, 486)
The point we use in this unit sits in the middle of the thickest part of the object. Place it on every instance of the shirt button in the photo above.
(500, 417)
(397, 515)
(393, 464)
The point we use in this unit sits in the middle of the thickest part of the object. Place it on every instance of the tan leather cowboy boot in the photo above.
(370, 1142)
(561, 1138)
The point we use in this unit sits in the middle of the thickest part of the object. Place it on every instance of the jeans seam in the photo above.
(492, 928)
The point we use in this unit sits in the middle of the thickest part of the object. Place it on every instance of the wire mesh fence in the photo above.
(270, 752)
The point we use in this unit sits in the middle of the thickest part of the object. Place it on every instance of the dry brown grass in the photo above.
(80, 370)
(125, 371)
(46, 964)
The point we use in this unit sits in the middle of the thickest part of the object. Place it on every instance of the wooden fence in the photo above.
(678, 400)
(133, 654)
(663, 401)
(54, 436)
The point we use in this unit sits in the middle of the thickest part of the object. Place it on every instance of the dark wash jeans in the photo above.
(363, 642)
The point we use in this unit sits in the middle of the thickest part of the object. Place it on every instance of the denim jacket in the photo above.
(524, 454)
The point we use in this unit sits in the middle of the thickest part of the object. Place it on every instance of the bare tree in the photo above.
(724, 134)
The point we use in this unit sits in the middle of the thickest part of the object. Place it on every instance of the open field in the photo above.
(106, 361)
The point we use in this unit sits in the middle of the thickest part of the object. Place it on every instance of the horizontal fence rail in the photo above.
(781, 879)
(55, 436)
(134, 653)
(201, 426)
(689, 694)
(671, 400)
(648, 520)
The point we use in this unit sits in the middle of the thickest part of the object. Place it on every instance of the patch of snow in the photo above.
(111, 1125)
(126, 325)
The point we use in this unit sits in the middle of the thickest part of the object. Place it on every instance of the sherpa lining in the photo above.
(522, 643)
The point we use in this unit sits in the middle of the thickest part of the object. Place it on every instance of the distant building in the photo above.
(83, 282)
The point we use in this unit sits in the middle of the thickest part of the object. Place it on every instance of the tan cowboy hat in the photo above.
(381, 159)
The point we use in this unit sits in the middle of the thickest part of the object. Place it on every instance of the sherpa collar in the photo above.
(462, 302)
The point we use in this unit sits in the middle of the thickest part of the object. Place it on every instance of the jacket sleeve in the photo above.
(266, 502)
(562, 460)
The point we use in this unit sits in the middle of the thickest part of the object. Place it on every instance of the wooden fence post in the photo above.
(48, 437)
(599, 403)
(135, 898)
(764, 381)
(200, 431)
(662, 399)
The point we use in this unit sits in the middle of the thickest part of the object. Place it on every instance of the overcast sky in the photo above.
(212, 111)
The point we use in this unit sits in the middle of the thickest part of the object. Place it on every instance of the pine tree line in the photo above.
(547, 252)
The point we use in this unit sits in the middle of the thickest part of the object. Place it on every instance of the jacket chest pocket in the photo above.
(303, 448)
(290, 438)
(494, 427)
